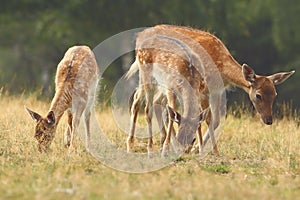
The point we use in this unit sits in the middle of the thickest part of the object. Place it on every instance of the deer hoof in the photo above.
(165, 151)
(71, 149)
(150, 153)
(129, 144)
(216, 151)
(67, 141)
(195, 149)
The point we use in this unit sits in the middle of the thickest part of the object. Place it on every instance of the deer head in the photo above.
(262, 91)
(185, 125)
(44, 129)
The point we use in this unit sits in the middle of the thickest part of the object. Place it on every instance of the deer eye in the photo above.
(258, 96)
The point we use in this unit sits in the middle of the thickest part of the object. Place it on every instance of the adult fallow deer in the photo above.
(75, 84)
(181, 59)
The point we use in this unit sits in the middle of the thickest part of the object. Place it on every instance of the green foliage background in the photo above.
(34, 34)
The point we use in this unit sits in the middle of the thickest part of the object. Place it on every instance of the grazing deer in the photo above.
(205, 58)
(75, 85)
(166, 75)
(176, 117)
(161, 116)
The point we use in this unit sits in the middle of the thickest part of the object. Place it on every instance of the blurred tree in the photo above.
(286, 19)
(34, 34)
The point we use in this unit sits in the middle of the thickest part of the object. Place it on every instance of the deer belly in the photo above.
(162, 77)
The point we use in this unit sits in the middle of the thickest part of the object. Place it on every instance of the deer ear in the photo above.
(35, 116)
(174, 116)
(279, 78)
(51, 118)
(203, 115)
(248, 73)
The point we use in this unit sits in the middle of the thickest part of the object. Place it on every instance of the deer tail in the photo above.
(133, 69)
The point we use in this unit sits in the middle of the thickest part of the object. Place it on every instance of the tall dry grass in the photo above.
(256, 161)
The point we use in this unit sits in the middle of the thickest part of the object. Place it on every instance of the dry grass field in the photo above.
(256, 162)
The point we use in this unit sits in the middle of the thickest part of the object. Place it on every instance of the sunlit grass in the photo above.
(256, 162)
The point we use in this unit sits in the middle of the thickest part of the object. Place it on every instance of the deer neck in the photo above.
(60, 103)
(190, 102)
(233, 75)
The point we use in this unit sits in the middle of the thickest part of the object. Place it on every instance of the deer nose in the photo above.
(269, 120)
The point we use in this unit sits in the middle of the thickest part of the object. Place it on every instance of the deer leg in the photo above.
(215, 103)
(87, 114)
(201, 142)
(75, 123)
(67, 135)
(149, 112)
(88, 131)
(166, 146)
(133, 116)
(200, 139)
(170, 130)
(158, 113)
(204, 105)
(158, 109)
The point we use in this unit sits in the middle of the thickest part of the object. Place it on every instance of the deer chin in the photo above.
(186, 139)
(267, 120)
